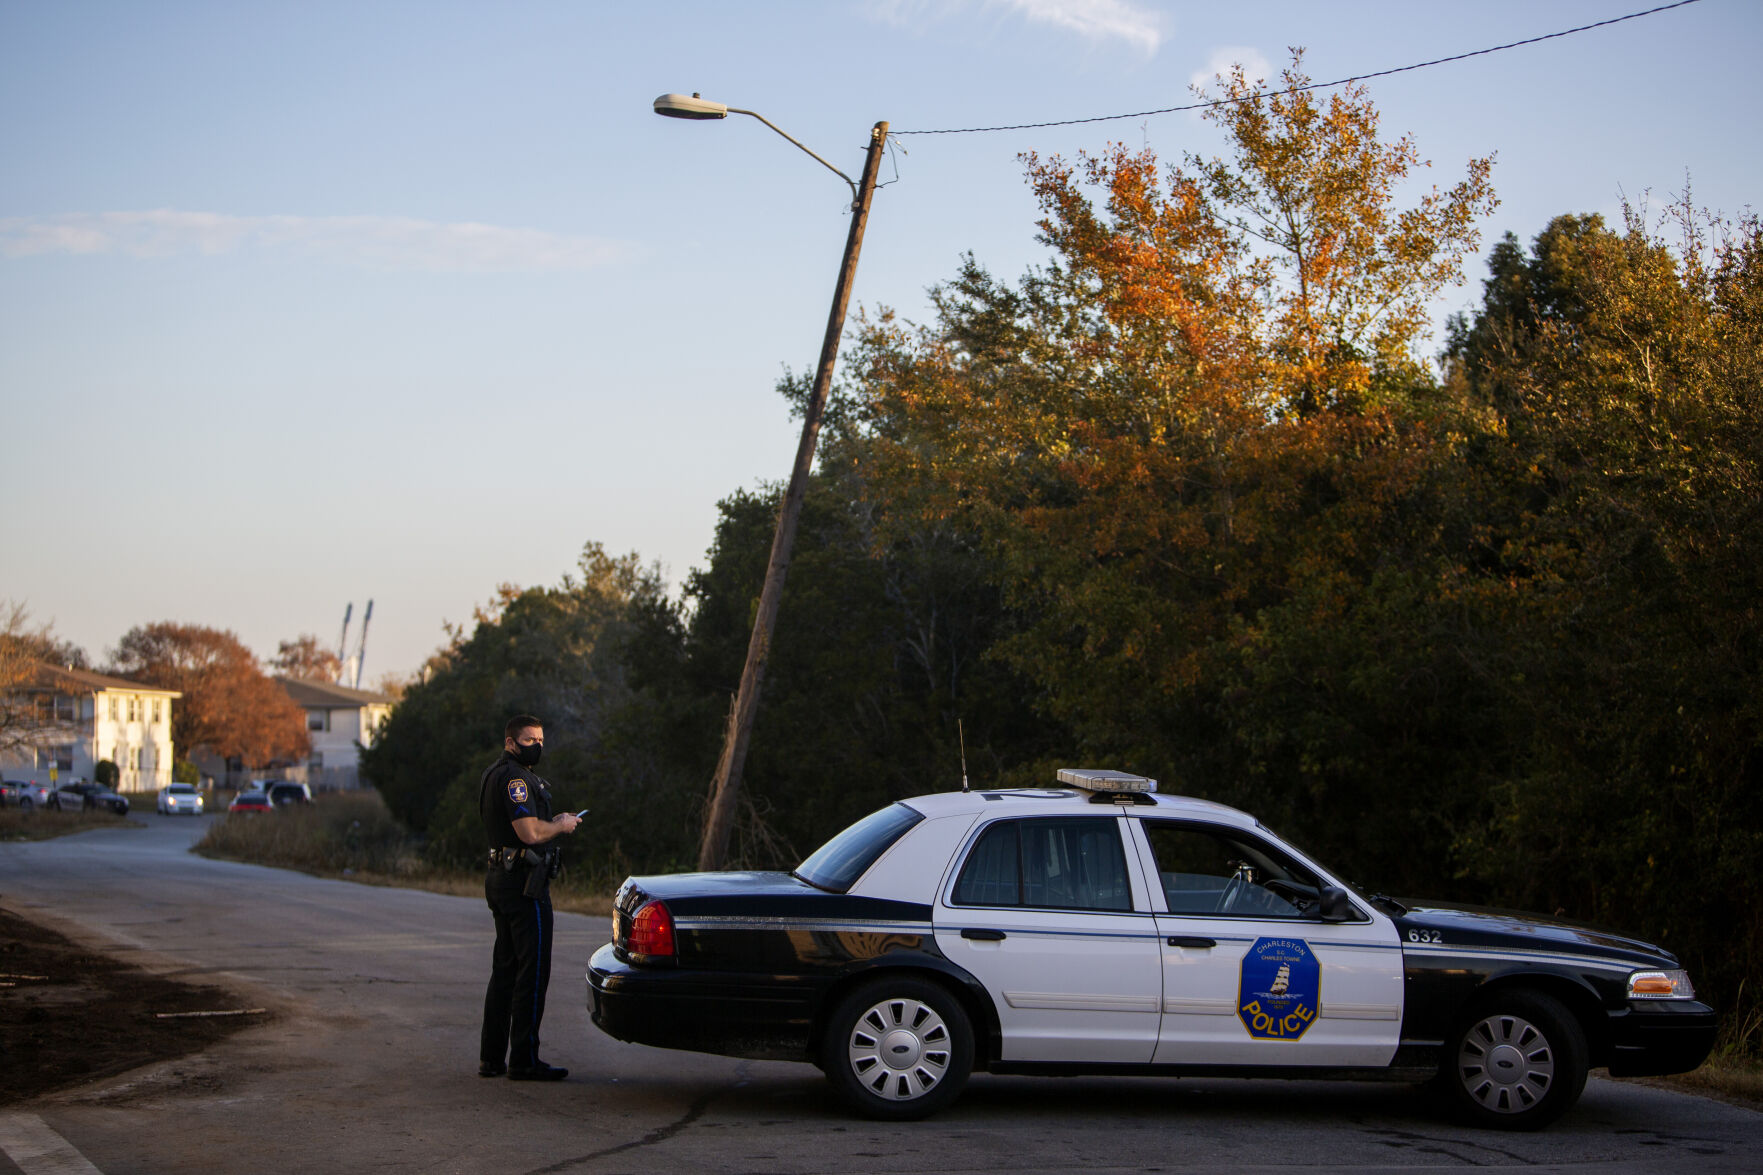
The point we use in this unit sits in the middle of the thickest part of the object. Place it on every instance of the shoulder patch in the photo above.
(517, 790)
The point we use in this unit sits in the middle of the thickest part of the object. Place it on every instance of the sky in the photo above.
(306, 304)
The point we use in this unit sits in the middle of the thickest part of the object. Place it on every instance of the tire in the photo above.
(1517, 1062)
(897, 1048)
(24, 803)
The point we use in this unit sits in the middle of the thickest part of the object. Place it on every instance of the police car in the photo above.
(1101, 928)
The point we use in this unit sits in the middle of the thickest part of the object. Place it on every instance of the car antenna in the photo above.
(962, 735)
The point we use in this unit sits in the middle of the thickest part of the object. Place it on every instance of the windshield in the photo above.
(837, 864)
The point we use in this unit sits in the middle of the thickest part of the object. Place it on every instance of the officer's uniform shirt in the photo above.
(509, 792)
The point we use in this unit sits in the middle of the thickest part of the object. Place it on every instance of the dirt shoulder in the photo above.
(70, 1015)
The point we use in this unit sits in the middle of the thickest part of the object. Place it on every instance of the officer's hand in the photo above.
(567, 821)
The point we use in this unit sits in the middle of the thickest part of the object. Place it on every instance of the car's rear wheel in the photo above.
(897, 1048)
(1517, 1063)
(24, 803)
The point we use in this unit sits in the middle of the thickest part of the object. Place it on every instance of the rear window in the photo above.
(836, 865)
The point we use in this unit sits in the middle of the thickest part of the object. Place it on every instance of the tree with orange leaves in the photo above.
(228, 706)
(1205, 405)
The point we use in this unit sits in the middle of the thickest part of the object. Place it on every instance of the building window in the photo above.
(317, 761)
(318, 720)
(156, 711)
(134, 708)
(63, 756)
(113, 708)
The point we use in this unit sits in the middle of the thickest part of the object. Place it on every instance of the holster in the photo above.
(538, 883)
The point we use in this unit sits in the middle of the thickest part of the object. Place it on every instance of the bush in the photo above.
(105, 774)
(339, 831)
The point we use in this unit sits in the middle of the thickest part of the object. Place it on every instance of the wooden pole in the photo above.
(726, 789)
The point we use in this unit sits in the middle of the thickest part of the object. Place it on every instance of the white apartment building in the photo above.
(339, 721)
(82, 717)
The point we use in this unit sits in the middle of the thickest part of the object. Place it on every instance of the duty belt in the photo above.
(509, 858)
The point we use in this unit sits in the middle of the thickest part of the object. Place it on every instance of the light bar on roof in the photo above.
(1095, 779)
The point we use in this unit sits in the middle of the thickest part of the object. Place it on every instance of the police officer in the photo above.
(515, 806)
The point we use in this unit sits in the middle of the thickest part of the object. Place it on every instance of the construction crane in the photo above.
(343, 643)
(361, 649)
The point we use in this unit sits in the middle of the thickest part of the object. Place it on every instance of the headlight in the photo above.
(1661, 985)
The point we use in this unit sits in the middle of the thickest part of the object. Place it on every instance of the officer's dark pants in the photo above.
(519, 973)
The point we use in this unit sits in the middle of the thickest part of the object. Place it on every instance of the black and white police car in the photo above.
(1101, 928)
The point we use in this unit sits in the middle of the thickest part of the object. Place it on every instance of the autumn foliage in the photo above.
(228, 705)
(1207, 402)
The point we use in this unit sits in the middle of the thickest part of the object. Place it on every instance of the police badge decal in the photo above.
(1279, 988)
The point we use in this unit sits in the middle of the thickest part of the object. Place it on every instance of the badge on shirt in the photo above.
(517, 790)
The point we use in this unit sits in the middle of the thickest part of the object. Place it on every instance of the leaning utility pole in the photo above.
(726, 790)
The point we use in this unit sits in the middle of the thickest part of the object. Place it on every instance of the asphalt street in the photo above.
(368, 1064)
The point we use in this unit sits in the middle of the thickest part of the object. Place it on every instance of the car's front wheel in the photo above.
(1517, 1063)
(898, 1048)
(24, 803)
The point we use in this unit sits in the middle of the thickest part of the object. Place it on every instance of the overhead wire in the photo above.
(1024, 126)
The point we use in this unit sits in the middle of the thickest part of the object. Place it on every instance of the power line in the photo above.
(1025, 126)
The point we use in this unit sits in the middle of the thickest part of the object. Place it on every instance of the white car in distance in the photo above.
(180, 798)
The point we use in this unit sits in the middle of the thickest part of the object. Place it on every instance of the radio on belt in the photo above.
(1095, 779)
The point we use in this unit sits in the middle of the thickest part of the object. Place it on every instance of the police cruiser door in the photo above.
(1251, 976)
(1046, 913)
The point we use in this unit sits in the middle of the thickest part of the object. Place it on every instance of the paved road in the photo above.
(369, 1064)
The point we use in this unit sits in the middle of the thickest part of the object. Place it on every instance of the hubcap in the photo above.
(899, 1049)
(1506, 1064)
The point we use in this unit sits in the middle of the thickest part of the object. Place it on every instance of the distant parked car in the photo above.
(283, 793)
(23, 794)
(87, 797)
(249, 802)
(180, 797)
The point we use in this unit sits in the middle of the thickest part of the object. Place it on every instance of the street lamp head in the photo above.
(684, 106)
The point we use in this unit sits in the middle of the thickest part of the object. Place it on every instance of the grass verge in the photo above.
(46, 824)
(351, 835)
(1732, 1080)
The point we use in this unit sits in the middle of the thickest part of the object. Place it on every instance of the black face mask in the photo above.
(528, 756)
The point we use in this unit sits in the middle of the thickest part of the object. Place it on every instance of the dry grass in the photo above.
(1736, 1081)
(351, 836)
(566, 895)
(44, 824)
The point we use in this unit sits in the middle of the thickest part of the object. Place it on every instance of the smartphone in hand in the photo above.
(581, 813)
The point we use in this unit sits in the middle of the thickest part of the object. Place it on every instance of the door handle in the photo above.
(983, 935)
(1177, 940)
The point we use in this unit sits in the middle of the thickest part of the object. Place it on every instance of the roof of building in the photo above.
(325, 695)
(62, 677)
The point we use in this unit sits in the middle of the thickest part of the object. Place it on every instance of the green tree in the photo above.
(877, 666)
(554, 652)
(1623, 532)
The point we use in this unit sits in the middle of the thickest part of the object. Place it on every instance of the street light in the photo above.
(726, 790)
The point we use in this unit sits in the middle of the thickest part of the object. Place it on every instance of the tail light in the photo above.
(651, 931)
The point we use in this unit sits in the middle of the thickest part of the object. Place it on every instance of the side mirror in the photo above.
(1332, 904)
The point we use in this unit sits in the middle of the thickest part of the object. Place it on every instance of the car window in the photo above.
(1213, 871)
(1063, 864)
(836, 865)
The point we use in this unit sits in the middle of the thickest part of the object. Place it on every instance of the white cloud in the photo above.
(1218, 64)
(378, 242)
(1094, 20)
